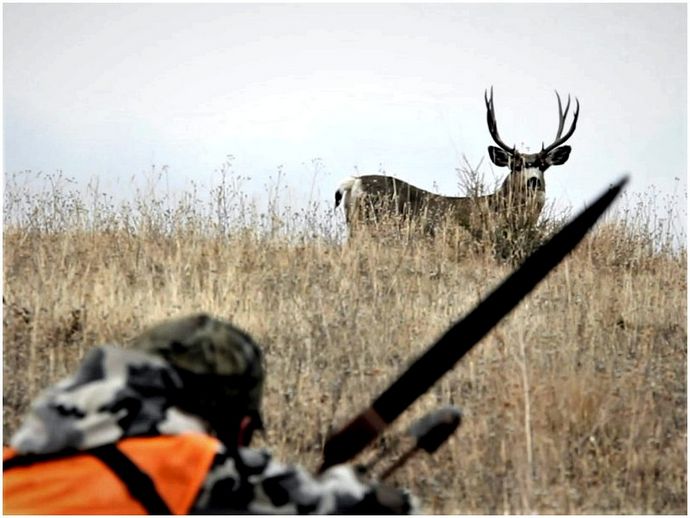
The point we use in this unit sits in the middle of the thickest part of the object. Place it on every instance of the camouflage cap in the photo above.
(220, 365)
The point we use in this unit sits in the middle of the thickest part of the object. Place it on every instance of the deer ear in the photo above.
(558, 156)
(498, 156)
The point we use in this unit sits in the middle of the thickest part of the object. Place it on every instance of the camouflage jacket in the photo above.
(119, 393)
(250, 481)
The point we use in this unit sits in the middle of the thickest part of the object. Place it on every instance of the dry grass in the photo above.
(575, 403)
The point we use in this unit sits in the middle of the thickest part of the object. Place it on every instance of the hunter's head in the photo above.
(221, 369)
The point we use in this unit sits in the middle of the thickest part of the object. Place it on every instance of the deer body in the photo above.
(366, 199)
(405, 199)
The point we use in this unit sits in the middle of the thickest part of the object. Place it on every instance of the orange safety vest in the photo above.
(83, 484)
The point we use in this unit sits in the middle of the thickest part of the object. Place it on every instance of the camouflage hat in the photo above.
(221, 366)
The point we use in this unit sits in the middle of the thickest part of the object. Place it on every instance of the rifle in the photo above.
(459, 339)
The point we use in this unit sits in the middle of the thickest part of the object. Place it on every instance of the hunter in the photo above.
(164, 427)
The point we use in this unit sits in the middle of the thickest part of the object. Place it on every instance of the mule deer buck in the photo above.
(369, 198)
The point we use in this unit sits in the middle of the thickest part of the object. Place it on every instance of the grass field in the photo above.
(575, 403)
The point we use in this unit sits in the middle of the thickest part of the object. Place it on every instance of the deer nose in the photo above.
(534, 183)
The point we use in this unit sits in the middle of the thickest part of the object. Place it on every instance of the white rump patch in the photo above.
(350, 189)
(356, 190)
(346, 185)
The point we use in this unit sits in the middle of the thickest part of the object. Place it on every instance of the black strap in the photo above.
(139, 484)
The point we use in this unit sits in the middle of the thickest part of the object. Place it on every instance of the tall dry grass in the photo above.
(575, 403)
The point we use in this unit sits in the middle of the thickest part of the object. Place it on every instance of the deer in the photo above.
(368, 198)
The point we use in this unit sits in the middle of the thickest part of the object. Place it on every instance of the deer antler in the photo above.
(491, 121)
(561, 121)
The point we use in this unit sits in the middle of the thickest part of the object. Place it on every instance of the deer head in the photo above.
(526, 179)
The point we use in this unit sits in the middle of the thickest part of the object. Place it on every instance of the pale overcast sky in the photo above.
(110, 90)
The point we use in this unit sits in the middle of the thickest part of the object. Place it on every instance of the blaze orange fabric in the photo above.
(82, 484)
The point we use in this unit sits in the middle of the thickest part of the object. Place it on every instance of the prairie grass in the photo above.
(575, 403)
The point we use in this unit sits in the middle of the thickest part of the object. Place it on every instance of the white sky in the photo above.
(110, 90)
